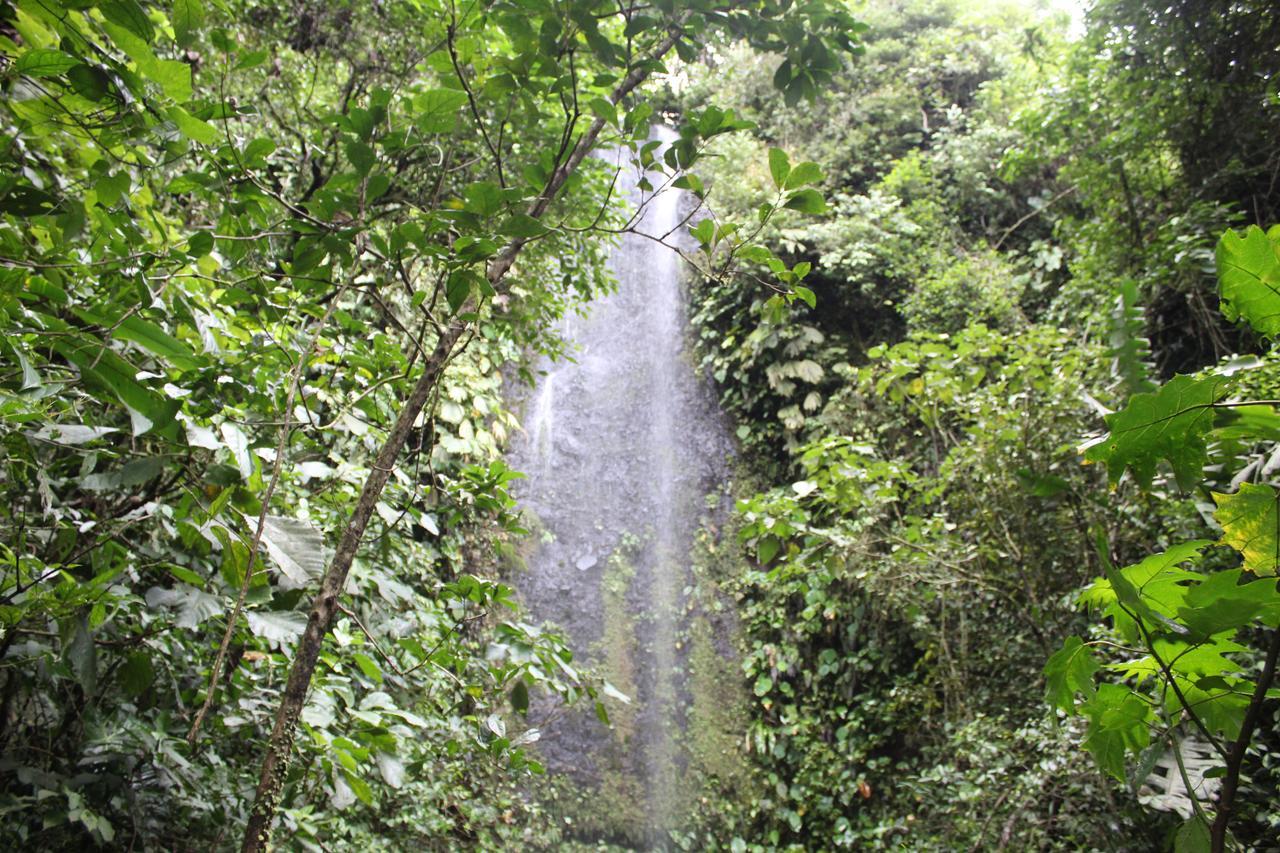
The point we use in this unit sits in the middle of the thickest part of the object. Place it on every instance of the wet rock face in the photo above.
(620, 447)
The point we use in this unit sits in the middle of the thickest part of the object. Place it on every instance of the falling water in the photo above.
(622, 445)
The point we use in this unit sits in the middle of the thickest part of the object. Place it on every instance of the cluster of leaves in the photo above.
(904, 597)
(205, 234)
(233, 237)
(1011, 214)
(1178, 632)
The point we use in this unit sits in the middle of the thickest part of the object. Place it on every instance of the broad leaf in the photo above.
(779, 166)
(44, 62)
(187, 17)
(1249, 273)
(1068, 672)
(1170, 423)
(806, 201)
(277, 628)
(1118, 722)
(193, 605)
(296, 547)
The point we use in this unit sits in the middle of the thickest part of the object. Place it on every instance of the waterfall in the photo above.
(622, 445)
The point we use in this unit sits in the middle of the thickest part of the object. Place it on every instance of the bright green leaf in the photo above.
(193, 128)
(1249, 273)
(1170, 423)
(1068, 672)
(806, 201)
(803, 175)
(779, 166)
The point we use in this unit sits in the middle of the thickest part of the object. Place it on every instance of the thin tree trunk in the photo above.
(325, 606)
(1236, 755)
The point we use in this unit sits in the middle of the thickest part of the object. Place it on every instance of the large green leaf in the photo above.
(1249, 521)
(1249, 271)
(278, 628)
(779, 166)
(1170, 423)
(437, 109)
(1068, 672)
(145, 334)
(1118, 721)
(44, 62)
(105, 371)
(1222, 603)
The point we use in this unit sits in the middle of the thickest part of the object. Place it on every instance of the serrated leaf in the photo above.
(779, 166)
(1249, 519)
(1221, 603)
(1170, 423)
(1118, 722)
(296, 547)
(1068, 672)
(44, 62)
(1249, 278)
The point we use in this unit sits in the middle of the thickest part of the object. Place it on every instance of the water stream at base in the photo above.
(621, 448)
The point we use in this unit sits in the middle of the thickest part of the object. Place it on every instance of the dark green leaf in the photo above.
(128, 14)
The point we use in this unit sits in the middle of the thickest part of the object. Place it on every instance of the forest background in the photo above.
(245, 244)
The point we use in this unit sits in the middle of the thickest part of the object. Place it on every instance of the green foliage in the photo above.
(1249, 267)
(1180, 655)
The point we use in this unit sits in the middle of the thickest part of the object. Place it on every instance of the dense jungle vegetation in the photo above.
(989, 297)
